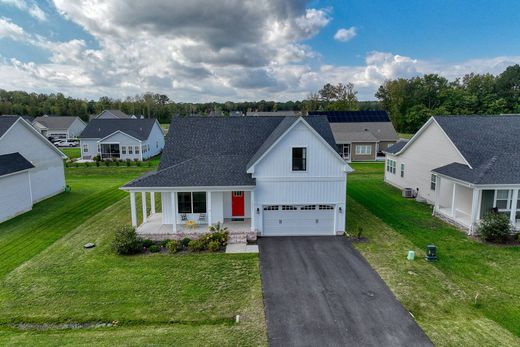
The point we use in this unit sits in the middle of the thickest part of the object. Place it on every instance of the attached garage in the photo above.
(284, 220)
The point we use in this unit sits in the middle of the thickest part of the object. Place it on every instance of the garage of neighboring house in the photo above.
(280, 220)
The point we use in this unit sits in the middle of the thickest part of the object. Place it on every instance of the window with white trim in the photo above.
(136, 150)
(299, 159)
(390, 166)
(433, 181)
(85, 148)
(363, 149)
(402, 170)
(503, 199)
(123, 149)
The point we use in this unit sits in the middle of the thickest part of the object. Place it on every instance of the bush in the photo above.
(214, 246)
(185, 242)
(107, 162)
(126, 241)
(154, 248)
(128, 162)
(173, 246)
(87, 164)
(117, 162)
(97, 163)
(147, 243)
(196, 245)
(164, 243)
(494, 227)
(221, 237)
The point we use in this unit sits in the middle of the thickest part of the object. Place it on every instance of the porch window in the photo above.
(191, 202)
(363, 149)
(123, 149)
(299, 159)
(433, 182)
(503, 200)
(402, 170)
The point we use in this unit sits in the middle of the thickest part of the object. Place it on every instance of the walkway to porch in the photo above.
(154, 229)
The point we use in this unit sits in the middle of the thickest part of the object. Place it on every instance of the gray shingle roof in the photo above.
(490, 144)
(6, 122)
(56, 122)
(216, 151)
(100, 128)
(396, 147)
(374, 131)
(115, 113)
(273, 113)
(13, 162)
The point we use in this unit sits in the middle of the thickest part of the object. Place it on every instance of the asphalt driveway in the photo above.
(319, 291)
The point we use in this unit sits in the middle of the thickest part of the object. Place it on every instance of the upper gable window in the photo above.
(299, 159)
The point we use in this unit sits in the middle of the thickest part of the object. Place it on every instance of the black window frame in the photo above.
(299, 163)
(191, 202)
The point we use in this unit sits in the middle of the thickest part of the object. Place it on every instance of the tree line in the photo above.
(410, 102)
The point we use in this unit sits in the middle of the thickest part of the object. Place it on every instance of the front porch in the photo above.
(464, 205)
(190, 214)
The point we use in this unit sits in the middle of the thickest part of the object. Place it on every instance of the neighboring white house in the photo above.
(59, 127)
(31, 168)
(466, 166)
(134, 139)
(270, 176)
(113, 114)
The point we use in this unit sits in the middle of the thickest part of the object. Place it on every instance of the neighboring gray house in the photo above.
(283, 178)
(134, 139)
(113, 114)
(465, 165)
(31, 168)
(361, 135)
(59, 127)
(273, 113)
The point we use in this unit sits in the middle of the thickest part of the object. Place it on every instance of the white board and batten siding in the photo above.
(430, 149)
(323, 183)
(15, 195)
(47, 178)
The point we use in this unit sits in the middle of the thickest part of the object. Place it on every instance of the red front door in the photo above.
(237, 204)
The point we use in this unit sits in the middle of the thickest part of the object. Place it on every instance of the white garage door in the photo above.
(282, 220)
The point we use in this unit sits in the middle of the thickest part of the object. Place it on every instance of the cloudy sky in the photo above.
(217, 50)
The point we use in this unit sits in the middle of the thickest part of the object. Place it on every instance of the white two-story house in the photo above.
(271, 175)
(121, 139)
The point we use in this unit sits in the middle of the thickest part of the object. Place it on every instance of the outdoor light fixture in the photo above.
(257, 210)
(431, 253)
(340, 210)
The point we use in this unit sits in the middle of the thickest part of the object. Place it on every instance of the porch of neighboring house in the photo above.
(193, 213)
(464, 205)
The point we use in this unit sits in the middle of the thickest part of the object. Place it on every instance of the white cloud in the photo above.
(10, 30)
(345, 35)
(33, 9)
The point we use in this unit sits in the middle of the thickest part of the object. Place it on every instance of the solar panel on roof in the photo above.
(353, 116)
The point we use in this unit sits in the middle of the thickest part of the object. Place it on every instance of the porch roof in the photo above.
(202, 171)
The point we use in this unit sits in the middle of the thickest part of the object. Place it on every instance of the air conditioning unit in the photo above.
(408, 193)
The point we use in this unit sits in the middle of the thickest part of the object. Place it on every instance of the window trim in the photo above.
(85, 146)
(402, 169)
(433, 182)
(192, 210)
(304, 158)
(391, 166)
(123, 150)
(509, 200)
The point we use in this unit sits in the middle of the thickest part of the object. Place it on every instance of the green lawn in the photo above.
(405, 136)
(440, 295)
(72, 153)
(48, 279)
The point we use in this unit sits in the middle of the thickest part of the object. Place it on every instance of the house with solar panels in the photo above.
(361, 135)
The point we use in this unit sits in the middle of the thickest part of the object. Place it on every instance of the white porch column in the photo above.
(253, 210)
(208, 208)
(174, 211)
(143, 202)
(475, 208)
(453, 200)
(132, 209)
(437, 193)
(152, 202)
(512, 216)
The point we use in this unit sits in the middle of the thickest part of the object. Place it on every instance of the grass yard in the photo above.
(72, 153)
(49, 283)
(440, 295)
(405, 136)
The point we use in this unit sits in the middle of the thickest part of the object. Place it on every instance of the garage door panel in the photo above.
(298, 220)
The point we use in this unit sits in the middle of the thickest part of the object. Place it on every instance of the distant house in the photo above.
(273, 113)
(134, 139)
(361, 135)
(31, 168)
(283, 178)
(59, 127)
(113, 114)
(465, 165)
(236, 114)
